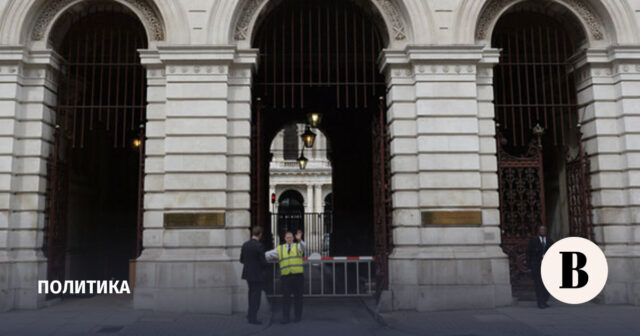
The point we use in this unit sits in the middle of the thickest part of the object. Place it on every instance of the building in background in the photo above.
(301, 198)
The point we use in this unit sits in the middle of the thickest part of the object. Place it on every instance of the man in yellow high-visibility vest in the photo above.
(290, 256)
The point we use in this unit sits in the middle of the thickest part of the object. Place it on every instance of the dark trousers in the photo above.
(292, 284)
(255, 292)
(542, 295)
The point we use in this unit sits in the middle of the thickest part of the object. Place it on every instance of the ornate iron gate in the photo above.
(381, 198)
(579, 196)
(522, 207)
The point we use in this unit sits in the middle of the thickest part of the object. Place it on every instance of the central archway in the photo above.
(321, 57)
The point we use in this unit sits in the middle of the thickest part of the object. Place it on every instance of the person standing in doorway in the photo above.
(290, 256)
(253, 258)
(538, 246)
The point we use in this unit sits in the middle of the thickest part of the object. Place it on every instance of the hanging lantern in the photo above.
(308, 137)
(302, 161)
(314, 119)
(137, 143)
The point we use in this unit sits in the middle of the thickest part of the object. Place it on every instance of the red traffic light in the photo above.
(273, 198)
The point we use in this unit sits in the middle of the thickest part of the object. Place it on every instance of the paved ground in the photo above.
(104, 315)
(522, 319)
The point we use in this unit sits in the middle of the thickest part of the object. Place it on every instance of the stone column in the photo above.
(607, 83)
(318, 198)
(28, 94)
(197, 164)
(446, 251)
(8, 110)
(308, 201)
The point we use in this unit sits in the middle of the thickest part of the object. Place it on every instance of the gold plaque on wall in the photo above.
(193, 220)
(451, 218)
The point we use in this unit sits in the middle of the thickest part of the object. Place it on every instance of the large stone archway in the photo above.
(601, 81)
(34, 76)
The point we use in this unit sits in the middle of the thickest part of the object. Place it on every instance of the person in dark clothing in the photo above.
(253, 259)
(538, 246)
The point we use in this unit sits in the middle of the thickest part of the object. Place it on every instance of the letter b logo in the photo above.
(568, 269)
(574, 270)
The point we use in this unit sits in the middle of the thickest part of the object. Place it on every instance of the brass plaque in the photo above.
(451, 218)
(193, 220)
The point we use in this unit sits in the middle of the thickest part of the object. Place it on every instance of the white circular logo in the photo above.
(574, 270)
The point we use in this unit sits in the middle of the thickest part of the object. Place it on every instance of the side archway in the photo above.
(31, 21)
(543, 164)
(476, 20)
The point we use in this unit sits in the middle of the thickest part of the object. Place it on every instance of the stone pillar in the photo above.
(607, 83)
(444, 167)
(308, 201)
(197, 162)
(8, 110)
(317, 198)
(27, 98)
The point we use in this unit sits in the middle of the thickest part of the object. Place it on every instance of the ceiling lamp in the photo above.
(314, 119)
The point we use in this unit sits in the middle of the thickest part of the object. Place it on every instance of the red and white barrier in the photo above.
(333, 276)
(341, 258)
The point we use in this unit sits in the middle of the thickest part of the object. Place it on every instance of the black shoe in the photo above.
(256, 322)
(541, 306)
(284, 322)
(546, 305)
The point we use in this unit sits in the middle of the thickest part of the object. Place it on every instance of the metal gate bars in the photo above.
(101, 88)
(537, 122)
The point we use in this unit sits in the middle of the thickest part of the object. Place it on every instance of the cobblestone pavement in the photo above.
(113, 315)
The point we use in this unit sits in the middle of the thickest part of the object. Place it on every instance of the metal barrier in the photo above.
(330, 277)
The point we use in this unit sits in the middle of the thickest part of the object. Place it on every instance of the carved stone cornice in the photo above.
(52, 8)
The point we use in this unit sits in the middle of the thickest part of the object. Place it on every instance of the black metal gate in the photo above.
(536, 114)
(56, 213)
(102, 88)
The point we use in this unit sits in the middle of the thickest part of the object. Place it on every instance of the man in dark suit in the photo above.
(253, 259)
(538, 246)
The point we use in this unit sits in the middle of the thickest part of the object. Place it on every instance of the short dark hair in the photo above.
(256, 231)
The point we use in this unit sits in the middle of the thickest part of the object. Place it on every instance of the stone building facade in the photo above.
(313, 182)
(438, 63)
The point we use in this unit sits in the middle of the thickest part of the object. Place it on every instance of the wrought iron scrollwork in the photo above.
(522, 205)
